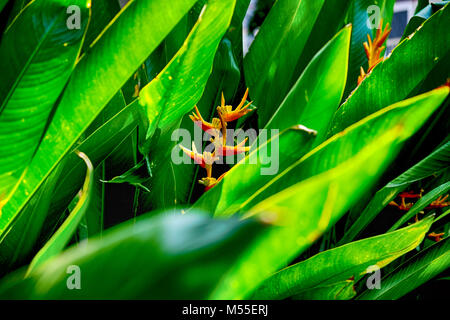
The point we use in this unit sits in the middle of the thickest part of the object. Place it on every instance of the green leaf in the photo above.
(302, 213)
(316, 95)
(170, 256)
(411, 114)
(417, 58)
(224, 78)
(334, 13)
(17, 7)
(133, 176)
(3, 4)
(257, 169)
(99, 145)
(287, 40)
(180, 84)
(341, 263)
(176, 90)
(62, 185)
(102, 13)
(139, 28)
(421, 16)
(437, 161)
(61, 237)
(234, 32)
(424, 266)
(421, 204)
(37, 55)
(21, 241)
(94, 217)
(343, 290)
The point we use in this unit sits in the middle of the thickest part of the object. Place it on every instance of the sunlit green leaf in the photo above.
(37, 55)
(302, 213)
(341, 263)
(138, 29)
(400, 76)
(432, 164)
(189, 253)
(413, 273)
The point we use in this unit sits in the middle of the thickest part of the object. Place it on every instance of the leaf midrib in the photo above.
(28, 64)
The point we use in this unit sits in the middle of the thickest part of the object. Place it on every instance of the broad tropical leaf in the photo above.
(319, 202)
(46, 50)
(400, 76)
(413, 273)
(179, 248)
(316, 95)
(432, 164)
(411, 113)
(254, 171)
(65, 181)
(139, 28)
(282, 44)
(341, 263)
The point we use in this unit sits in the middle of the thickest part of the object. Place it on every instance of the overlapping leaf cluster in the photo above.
(87, 122)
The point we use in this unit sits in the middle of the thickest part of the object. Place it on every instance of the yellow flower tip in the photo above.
(208, 181)
(226, 112)
(194, 155)
(243, 99)
(217, 124)
(361, 76)
(197, 118)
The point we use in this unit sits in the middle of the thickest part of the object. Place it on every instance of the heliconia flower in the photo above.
(228, 114)
(436, 236)
(411, 194)
(205, 160)
(403, 206)
(439, 203)
(222, 150)
(374, 49)
(204, 125)
(362, 75)
(210, 182)
(217, 128)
